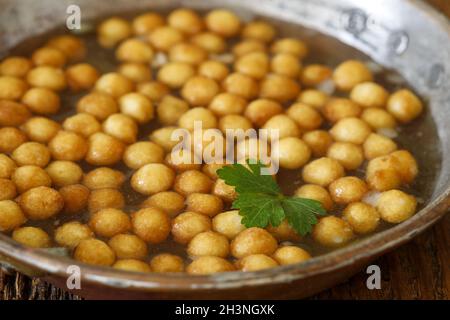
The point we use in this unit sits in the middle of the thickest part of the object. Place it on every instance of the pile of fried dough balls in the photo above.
(178, 69)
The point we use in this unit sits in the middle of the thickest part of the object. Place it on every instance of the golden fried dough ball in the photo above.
(227, 103)
(349, 155)
(95, 252)
(13, 114)
(48, 56)
(135, 71)
(291, 152)
(283, 125)
(209, 41)
(203, 115)
(223, 22)
(316, 192)
(253, 241)
(7, 166)
(11, 216)
(185, 20)
(42, 101)
(137, 106)
(362, 217)
(41, 203)
(29, 177)
(352, 130)
(259, 30)
(369, 95)
(186, 52)
(105, 199)
(99, 105)
(152, 178)
(15, 66)
(224, 191)
(339, 108)
(175, 74)
(169, 201)
(209, 243)
(132, 265)
(141, 153)
(151, 225)
(31, 153)
(199, 90)
(47, 77)
(261, 110)
(162, 137)
(290, 45)
(83, 124)
(234, 122)
(209, 265)
(164, 37)
(284, 232)
(165, 262)
(114, 84)
(286, 64)
(241, 85)
(81, 76)
(314, 98)
(249, 45)
(377, 145)
(404, 105)
(207, 204)
(73, 47)
(41, 129)
(396, 206)
(332, 231)
(134, 50)
(64, 173)
(378, 118)
(212, 69)
(153, 90)
(322, 171)
(104, 150)
(121, 127)
(305, 116)
(253, 64)
(68, 146)
(104, 177)
(187, 225)
(351, 73)
(192, 181)
(314, 74)
(11, 138)
(109, 222)
(347, 189)
(291, 255)
(170, 109)
(7, 189)
(12, 88)
(32, 237)
(147, 22)
(318, 141)
(228, 223)
(256, 262)
(112, 31)
(279, 88)
(70, 234)
(75, 197)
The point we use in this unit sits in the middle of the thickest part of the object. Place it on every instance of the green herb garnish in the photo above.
(260, 201)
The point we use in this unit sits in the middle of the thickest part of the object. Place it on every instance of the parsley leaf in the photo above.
(261, 203)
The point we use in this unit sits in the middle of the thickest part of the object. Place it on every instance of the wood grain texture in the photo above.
(417, 270)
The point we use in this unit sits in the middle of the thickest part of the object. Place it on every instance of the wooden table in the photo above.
(417, 270)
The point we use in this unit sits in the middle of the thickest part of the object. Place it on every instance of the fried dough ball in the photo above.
(378, 118)
(122, 127)
(192, 181)
(185, 20)
(349, 155)
(103, 178)
(241, 85)
(153, 90)
(7, 189)
(99, 105)
(207, 204)
(12, 88)
(253, 64)
(291, 152)
(284, 125)
(151, 225)
(377, 145)
(147, 22)
(205, 116)
(209, 265)
(152, 178)
(291, 255)
(169, 201)
(11, 138)
(405, 164)
(209, 243)
(253, 241)
(279, 88)
(322, 171)
(170, 109)
(15, 66)
(261, 110)
(31, 153)
(199, 90)
(114, 84)
(29, 177)
(332, 231)
(339, 108)
(134, 50)
(224, 191)
(352, 130)
(223, 22)
(234, 122)
(64, 173)
(141, 153)
(315, 192)
(136, 72)
(7, 166)
(70, 234)
(210, 169)
(68, 146)
(404, 105)
(48, 56)
(162, 137)
(109, 222)
(305, 116)
(396, 206)
(183, 160)
(290, 45)
(81, 76)
(132, 265)
(187, 225)
(41, 129)
(226, 103)
(104, 150)
(228, 223)
(164, 37)
(314, 98)
(369, 95)
(137, 106)
(351, 73)
(186, 52)
(41, 203)
(112, 31)
(13, 114)
(95, 252)
(248, 45)
(32, 237)
(315, 74)
(347, 189)
(42, 101)
(318, 141)
(47, 77)
(11, 216)
(166, 262)
(259, 30)
(72, 47)
(105, 199)
(83, 124)
(362, 217)
(284, 232)
(209, 41)
(256, 262)
(175, 74)
(212, 69)
(75, 197)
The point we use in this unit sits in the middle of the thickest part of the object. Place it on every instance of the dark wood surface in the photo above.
(417, 270)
